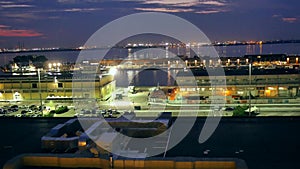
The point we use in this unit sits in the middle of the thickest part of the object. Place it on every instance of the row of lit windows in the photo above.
(35, 85)
(244, 80)
(241, 91)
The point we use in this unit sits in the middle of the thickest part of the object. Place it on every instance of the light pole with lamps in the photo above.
(39, 75)
(250, 80)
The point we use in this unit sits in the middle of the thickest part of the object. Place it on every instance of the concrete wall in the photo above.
(40, 160)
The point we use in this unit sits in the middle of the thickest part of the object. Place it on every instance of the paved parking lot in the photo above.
(139, 100)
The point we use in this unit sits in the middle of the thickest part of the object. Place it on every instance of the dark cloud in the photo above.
(71, 22)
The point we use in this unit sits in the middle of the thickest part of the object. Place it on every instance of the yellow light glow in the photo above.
(271, 88)
(268, 92)
(81, 143)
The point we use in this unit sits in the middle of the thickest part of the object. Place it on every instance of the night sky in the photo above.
(69, 23)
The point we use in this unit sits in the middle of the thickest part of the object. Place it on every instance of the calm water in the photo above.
(228, 51)
(146, 77)
(154, 77)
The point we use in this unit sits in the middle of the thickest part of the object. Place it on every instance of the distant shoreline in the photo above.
(156, 46)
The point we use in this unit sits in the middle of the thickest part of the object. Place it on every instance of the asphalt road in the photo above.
(264, 143)
(205, 109)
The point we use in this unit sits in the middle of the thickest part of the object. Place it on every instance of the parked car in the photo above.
(11, 110)
(3, 112)
(228, 108)
(14, 106)
(33, 107)
(23, 112)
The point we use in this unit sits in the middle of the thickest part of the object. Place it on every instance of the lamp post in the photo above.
(41, 102)
(250, 88)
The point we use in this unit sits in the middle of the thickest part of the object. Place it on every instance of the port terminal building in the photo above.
(55, 86)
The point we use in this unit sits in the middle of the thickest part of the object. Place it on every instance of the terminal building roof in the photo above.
(236, 72)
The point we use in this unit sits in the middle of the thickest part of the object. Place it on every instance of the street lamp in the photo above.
(39, 76)
(250, 88)
(50, 66)
(58, 66)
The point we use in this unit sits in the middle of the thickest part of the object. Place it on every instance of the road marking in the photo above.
(158, 147)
